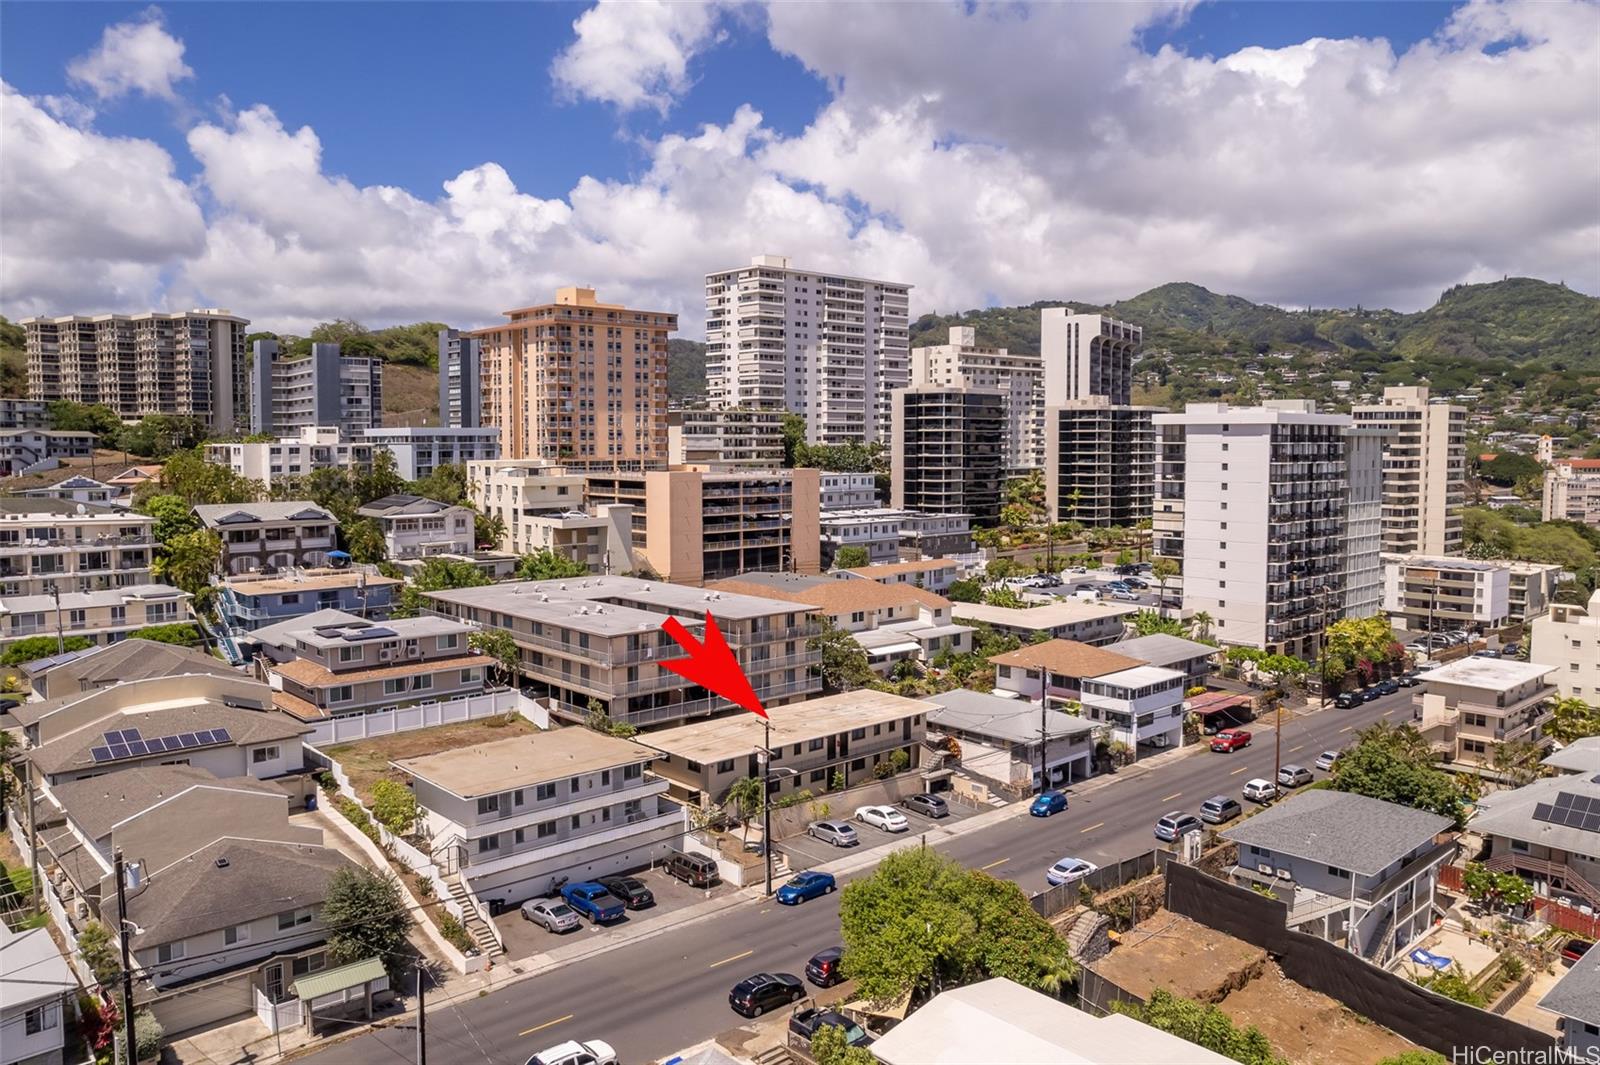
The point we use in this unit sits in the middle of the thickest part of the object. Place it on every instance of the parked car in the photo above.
(1409, 679)
(572, 1052)
(1573, 949)
(1369, 694)
(885, 817)
(823, 968)
(594, 902)
(755, 995)
(1258, 790)
(1170, 826)
(1388, 687)
(1118, 586)
(1294, 776)
(1047, 803)
(630, 889)
(1349, 700)
(1229, 740)
(696, 870)
(1068, 870)
(1511, 650)
(553, 914)
(838, 833)
(1137, 583)
(1325, 760)
(1487, 652)
(1219, 809)
(1123, 596)
(804, 886)
(805, 1023)
(926, 805)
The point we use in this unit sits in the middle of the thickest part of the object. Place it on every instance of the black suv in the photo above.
(823, 968)
(1348, 700)
(631, 890)
(755, 995)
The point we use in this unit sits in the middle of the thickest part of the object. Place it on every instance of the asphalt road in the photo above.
(651, 998)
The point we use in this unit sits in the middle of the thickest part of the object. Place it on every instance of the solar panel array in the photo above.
(1571, 811)
(127, 743)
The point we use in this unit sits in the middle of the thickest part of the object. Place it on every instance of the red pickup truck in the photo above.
(1230, 740)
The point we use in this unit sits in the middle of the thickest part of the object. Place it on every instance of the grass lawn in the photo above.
(367, 761)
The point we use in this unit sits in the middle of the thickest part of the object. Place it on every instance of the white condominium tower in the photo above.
(1424, 470)
(1274, 512)
(188, 363)
(1020, 379)
(1086, 355)
(827, 347)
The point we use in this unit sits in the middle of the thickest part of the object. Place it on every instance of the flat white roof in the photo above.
(1139, 677)
(1496, 674)
(1046, 616)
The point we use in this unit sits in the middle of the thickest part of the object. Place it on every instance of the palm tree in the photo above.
(1164, 570)
(1143, 527)
(1058, 976)
(746, 794)
(1202, 622)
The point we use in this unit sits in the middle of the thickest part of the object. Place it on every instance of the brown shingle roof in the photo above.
(1068, 658)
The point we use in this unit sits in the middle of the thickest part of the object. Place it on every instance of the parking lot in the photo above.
(1094, 581)
(808, 852)
(524, 938)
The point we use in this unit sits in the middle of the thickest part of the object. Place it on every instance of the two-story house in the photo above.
(1352, 870)
(817, 745)
(598, 641)
(1575, 1000)
(415, 527)
(892, 623)
(513, 815)
(37, 998)
(1007, 740)
(1056, 668)
(224, 725)
(355, 667)
(1547, 832)
(1469, 707)
(267, 537)
(102, 617)
(1142, 706)
(247, 603)
(102, 667)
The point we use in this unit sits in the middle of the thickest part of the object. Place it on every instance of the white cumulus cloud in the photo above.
(635, 53)
(134, 56)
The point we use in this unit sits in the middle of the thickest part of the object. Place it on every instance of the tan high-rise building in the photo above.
(186, 363)
(1424, 470)
(578, 380)
(1020, 378)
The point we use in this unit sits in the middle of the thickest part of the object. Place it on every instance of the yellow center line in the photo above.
(725, 961)
(1386, 713)
(546, 1024)
(1236, 772)
(1169, 798)
(992, 865)
(1091, 828)
(1347, 728)
(1299, 748)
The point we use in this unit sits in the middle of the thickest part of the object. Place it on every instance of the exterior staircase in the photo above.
(476, 924)
(1380, 942)
(774, 1056)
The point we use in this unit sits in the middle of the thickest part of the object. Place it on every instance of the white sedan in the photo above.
(885, 817)
(572, 1052)
(1068, 870)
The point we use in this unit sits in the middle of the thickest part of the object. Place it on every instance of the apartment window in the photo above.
(349, 654)
(725, 766)
(449, 643)
(42, 1018)
(605, 778)
(239, 933)
(858, 734)
(309, 964)
(293, 919)
(263, 754)
(1343, 874)
(541, 792)
(633, 772)
(518, 836)
(818, 776)
(577, 822)
(859, 763)
(575, 784)
(814, 745)
(342, 694)
(488, 843)
(489, 804)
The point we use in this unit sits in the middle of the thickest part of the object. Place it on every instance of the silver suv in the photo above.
(838, 833)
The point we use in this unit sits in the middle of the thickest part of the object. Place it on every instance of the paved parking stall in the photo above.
(524, 938)
(808, 852)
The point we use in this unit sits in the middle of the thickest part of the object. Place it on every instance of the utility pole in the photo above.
(61, 642)
(33, 833)
(766, 799)
(422, 1015)
(1044, 728)
(123, 926)
(1277, 753)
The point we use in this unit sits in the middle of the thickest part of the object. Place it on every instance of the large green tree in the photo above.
(545, 565)
(367, 917)
(1573, 719)
(436, 574)
(1203, 1024)
(187, 475)
(851, 558)
(189, 560)
(1395, 764)
(501, 647)
(844, 665)
(174, 517)
(33, 648)
(922, 919)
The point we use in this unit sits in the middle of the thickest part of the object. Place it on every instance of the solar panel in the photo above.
(130, 734)
(1564, 799)
(137, 747)
(155, 745)
(220, 735)
(114, 736)
(119, 750)
(187, 739)
(100, 754)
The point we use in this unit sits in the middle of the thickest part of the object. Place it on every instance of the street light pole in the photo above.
(61, 641)
(1044, 728)
(766, 798)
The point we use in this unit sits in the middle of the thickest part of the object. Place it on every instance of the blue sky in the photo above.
(397, 162)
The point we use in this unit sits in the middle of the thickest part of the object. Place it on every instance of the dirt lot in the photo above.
(1182, 956)
(1307, 1027)
(367, 761)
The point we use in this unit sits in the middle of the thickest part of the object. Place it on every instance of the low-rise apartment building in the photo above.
(1424, 593)
(1000, 738)
(513, 816)
(1354, 871)
(1572, 491)
(273, 536)
(725, 436)
(77, 488)
(1547, 832)
(102, 617)
(81, 547)
(1065, 619)
(246, 603)
(24, 413)
(415, 527)
(1190, 657)
(1055, 669)
(848, 491)
(934, 574)
(816, 745)
(1469, 707)
(891, 623)
(1142, 706)
(273, 461)
(1531, 590)
(419, 450)
(354, 667)
(26, 450)
(888, 535)
(598, 642)
(1568, 637)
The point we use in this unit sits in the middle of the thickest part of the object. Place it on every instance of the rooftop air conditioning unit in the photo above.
(413, 652)
(385, 655)
(1265, 867)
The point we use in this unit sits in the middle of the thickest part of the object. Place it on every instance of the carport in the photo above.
(1220, 710)
(350, 990)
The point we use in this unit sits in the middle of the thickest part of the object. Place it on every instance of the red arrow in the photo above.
(711, 665)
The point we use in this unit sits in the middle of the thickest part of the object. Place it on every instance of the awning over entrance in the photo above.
(345, 977)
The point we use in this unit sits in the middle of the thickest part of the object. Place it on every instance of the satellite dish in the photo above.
(82, 509)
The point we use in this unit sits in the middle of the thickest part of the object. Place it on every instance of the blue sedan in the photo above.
(1047, 803)
(805, 886)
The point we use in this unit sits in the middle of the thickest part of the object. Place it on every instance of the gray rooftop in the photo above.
(13, 506)
(70, 752)
(1511, 814)
(1577, 994)
(220, 514)
(400, 504)
(1340, 829)
(358, 630)
(282, 633)
(202, 892)
(1161, 649)
(611, 606)
(1011, 720)
(26, 604)
(1579, 756)
(129, 660)
(31, 969)
(100, 803)
(780, 581)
